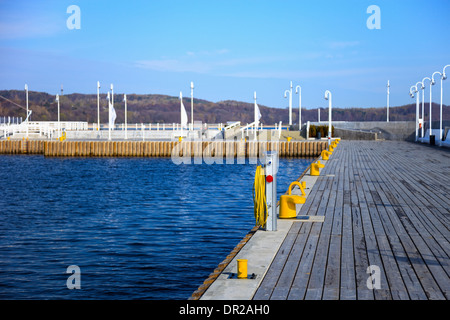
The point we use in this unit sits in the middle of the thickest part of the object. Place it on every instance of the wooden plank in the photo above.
(286, 278)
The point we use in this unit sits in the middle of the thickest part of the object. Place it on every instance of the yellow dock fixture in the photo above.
(242, 268)
(303, 184)
(288, 202)
(325, 155)
(314, 170)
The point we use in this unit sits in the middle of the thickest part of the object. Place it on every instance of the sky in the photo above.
(229, 49)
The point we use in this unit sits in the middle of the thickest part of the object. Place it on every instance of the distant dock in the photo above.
(161, 148)
(375, 226)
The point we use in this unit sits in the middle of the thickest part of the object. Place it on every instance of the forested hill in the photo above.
(154, 108)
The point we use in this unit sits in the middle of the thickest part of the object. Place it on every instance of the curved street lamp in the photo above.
(418, 87)
(192, 106)
(443, 77)
(59, 123)
(26, 93)
(126, 128)
(429, 115)
(328, 97)
(423, 104)
(388, 92)
(411, 93)
(98, 105)
(290, 103)
(298, 90)
(433, 82)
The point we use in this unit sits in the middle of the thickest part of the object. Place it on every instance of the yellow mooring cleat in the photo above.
(288, 202)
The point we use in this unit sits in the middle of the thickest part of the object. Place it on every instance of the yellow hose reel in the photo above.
(259, 197)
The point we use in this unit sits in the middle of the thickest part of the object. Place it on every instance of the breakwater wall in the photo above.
(161, 149)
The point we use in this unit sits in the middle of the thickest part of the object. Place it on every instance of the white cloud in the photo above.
(191, 63)
(306, 74)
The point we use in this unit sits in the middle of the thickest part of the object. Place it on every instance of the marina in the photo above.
(228, 155)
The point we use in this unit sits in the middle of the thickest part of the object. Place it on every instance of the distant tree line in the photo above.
(154, 108)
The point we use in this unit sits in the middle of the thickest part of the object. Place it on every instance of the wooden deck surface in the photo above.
(385, 204)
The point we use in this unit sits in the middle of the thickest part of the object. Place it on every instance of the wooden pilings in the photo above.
(194, 149)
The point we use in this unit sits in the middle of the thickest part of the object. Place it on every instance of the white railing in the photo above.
(63, 125)
(44, 128)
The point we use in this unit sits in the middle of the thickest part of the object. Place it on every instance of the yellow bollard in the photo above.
(314, 171)
(288, 202)
(180, 139)
(304, 184)
(325, 155)
(289, 139)
(330, 149)
(242, 268)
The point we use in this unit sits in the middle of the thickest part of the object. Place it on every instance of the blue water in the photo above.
(138, 228)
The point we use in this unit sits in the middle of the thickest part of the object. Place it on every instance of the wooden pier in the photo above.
(160, 148)
(385, 204)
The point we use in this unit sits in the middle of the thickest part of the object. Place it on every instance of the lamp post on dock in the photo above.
(423, 103)
(59, 124)
(26, 97)
(290, 103)
(328, 97)
(192, 106)
(443, 77)
(110, 115)
(298, 90)
(433, 82)
(125, 100)
(108, 97)
(388, 92)
(411, 93)
(98, 105)
(419, 87)
(429, 115)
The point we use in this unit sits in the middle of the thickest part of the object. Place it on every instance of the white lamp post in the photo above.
(423, 102)
(290, 103)
(98, 105)
(298, 90)
(433, 82)
(388, 86)
(328, 97)
(59, 124)
(108, 97)
(444, 77)
(411, 93)
(419, 87)
(192, 105)
(125, 100)
(26, 94)
(112, 103)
